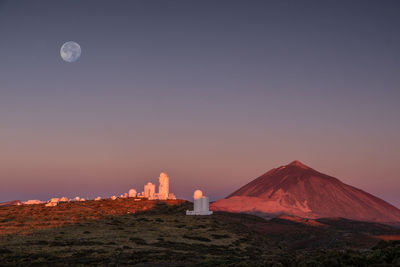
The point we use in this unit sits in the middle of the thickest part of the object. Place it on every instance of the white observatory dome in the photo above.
(132, 193)
(197, 194)
(200, 204)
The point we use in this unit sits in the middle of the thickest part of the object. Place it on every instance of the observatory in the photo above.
(200, 203)
(33, 202)
(149, 190)
(163, 190)
(132, 193)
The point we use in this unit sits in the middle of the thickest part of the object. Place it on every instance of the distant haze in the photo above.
(214, 93)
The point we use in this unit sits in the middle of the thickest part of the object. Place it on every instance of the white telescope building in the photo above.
(163, 189)
(149, 190)
(200, 203)
(132, 193)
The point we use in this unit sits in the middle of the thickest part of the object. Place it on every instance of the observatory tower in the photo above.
(163, 190)
(132, 193)
(201, 204)
(149, 190)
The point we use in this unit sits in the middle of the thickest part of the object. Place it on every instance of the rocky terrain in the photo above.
(156, 233)
(26, 218)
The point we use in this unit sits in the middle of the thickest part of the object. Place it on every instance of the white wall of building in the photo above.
(132, 193)
(200, 204)
(163, 190)
(149, 190)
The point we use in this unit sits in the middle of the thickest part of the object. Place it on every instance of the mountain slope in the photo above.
(296, 189)
(11, 203)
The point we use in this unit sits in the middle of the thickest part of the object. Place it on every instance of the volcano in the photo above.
(11, 203)
(298, 190)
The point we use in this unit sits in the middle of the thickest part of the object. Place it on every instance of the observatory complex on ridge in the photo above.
(163, 189)
(149, 192)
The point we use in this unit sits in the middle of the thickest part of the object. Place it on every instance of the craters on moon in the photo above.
(70, 51)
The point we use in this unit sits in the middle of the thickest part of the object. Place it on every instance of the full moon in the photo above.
(70, 51)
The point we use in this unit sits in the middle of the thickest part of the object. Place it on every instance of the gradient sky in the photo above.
(215, 93)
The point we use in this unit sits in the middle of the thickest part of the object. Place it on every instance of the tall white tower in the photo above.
(197, 196)
(163, 190)
(149, 190)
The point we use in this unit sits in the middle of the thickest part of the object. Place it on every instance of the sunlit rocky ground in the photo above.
(152, 233)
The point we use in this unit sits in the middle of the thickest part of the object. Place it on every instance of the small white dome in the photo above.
(197, 194)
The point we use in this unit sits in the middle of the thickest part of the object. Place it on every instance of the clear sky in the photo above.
(214, 93)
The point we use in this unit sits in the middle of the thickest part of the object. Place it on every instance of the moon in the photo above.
(70, 51)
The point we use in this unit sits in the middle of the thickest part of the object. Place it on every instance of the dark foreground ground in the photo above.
(164, 236)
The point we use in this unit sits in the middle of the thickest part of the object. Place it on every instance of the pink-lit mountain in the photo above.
(298, 190)
(11, 203)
